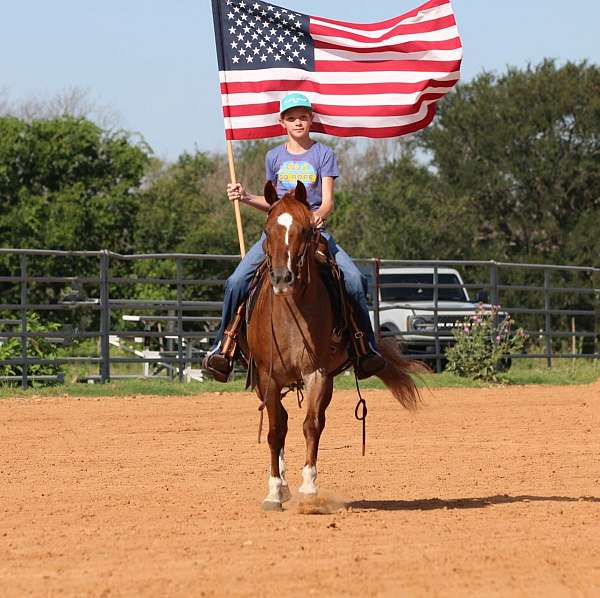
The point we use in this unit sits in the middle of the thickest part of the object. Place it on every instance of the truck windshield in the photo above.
(416, 292)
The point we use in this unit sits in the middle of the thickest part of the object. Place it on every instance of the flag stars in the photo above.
(264, 35)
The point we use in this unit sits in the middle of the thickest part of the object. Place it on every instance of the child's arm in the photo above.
(327, 205)
(237, 192)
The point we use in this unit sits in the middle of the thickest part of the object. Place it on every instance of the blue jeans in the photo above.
(236, 287)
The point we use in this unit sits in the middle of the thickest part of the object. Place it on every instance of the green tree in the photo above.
(523, 150)
(66, 184)
(396, 213)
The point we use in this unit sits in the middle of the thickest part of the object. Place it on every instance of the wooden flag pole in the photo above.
(236, 203)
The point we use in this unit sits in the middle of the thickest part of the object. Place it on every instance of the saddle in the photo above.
(343, 310)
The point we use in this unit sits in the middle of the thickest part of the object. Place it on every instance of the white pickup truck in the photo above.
(408, 312)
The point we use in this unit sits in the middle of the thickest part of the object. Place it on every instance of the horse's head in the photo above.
(289, 236)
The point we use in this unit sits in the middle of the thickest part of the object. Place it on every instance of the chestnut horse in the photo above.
(289, 336)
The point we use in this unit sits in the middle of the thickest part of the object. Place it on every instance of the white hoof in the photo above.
(309, 476)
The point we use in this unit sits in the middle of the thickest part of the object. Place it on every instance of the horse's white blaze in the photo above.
(309, 477)
(286, 221)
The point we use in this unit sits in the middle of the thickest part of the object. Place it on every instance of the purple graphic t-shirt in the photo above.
(286, 169)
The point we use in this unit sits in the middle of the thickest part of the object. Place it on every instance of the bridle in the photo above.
(311, 241)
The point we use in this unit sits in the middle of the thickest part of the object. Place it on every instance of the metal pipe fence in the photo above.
(169, 319)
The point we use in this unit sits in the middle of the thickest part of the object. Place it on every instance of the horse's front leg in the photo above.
(279, 491)
(319, 389)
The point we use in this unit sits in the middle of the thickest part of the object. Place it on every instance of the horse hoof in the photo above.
(286, 493)
(271, 506)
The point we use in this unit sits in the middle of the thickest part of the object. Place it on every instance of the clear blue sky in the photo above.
(154, 62)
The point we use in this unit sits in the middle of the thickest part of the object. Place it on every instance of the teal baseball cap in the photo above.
(294, 100)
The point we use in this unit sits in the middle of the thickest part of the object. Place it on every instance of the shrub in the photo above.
(484, 341)
(37, 348)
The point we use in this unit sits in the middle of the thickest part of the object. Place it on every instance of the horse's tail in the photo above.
(395, 375)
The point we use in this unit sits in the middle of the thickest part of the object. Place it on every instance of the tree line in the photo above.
(510, 170)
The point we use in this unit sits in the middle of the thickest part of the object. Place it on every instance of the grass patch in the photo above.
(522, 373)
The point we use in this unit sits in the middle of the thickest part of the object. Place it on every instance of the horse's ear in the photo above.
(270, 193)
(300, 194)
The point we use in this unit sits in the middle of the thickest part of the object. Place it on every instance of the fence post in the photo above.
(436, 300)
(104, 319)
(376, 287)
(548, 318)
(24, 364)
(180, 318)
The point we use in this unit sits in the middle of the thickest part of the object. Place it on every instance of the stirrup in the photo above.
(218, 366)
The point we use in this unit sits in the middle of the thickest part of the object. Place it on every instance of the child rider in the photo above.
(316, 164)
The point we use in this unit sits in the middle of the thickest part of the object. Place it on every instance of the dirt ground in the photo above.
(482, 493)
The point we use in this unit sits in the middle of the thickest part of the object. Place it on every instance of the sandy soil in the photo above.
(482, 493)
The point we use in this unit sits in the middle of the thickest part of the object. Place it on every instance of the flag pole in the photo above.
(236, 203)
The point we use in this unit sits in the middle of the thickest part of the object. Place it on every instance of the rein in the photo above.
(312, 240)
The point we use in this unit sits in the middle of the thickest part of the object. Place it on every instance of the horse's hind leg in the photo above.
(278, 487)
(319, 389)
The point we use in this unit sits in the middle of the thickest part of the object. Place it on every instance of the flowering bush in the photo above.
(484, 341)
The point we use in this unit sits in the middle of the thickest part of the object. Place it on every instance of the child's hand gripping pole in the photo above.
(236, 203)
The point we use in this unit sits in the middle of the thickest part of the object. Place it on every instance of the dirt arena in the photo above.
(482, 493)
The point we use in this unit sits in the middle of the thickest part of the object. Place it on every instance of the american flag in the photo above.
(368, 80)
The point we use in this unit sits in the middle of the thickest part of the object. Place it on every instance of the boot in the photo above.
(367, 361)
(220, 363)
(218, 366)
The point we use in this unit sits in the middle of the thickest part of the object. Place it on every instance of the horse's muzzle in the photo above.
(282, 280)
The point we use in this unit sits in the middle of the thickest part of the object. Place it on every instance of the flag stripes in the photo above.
(373, 80)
